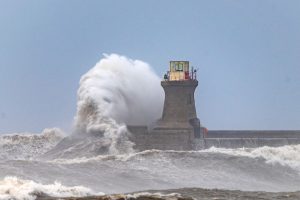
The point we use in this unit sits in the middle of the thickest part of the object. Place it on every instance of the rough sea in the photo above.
(97, 158)
(25, 169)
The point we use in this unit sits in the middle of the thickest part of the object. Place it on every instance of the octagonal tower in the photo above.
(179, 110)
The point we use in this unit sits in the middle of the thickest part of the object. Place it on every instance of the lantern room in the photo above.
(179, 71)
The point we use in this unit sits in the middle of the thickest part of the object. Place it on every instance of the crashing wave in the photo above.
(285, 155)
(115, 88)
(111, 95)
(288, 155)
(28, 146)
(119, 157)
(156, 169)
(19, 189)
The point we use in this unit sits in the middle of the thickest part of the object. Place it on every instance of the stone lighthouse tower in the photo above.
(179, 85)
(179, 120)
(178, 126)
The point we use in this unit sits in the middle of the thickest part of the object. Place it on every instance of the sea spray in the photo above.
(116, 92)
(119, 88)
(112, 94)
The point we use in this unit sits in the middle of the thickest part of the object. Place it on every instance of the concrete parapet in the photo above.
(163, 139)
(182, 139)
(249, 142)
(253, 134)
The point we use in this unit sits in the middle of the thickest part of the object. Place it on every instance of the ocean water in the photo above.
(27, 169)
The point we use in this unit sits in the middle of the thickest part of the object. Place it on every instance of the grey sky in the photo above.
(247, 52)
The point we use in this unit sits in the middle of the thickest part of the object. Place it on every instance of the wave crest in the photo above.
(288, 155)
(111, 95)
(28, 145)
(19, 189)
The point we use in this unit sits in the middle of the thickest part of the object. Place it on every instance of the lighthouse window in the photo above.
(173, 67)
(179, 67)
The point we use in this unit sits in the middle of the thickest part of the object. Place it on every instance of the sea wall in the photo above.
(253, 134)
(250, 138)
(163, 139)
(183, 139)
(248, 142)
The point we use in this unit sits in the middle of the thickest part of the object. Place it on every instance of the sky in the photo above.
(247, 54)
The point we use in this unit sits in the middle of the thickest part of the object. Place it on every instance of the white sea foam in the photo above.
(170, 196)
(115, 92)
(288, 155)
(19, 189)
(28, 145)
(118, 157)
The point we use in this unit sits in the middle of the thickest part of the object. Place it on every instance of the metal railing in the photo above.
(192, 75)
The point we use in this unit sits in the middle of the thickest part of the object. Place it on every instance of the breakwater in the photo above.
(250, 138)
(182, 139)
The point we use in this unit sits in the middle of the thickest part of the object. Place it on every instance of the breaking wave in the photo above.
(19, 189)
(285, 155)
(157, 169)
(111, 95)
(288, 155)
(122, 89)
(28, 146)
(239, 169)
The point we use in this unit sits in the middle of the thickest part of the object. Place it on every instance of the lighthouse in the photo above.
(178, 126)
(179, 111)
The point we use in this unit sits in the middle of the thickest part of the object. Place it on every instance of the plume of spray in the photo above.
(115, 92)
